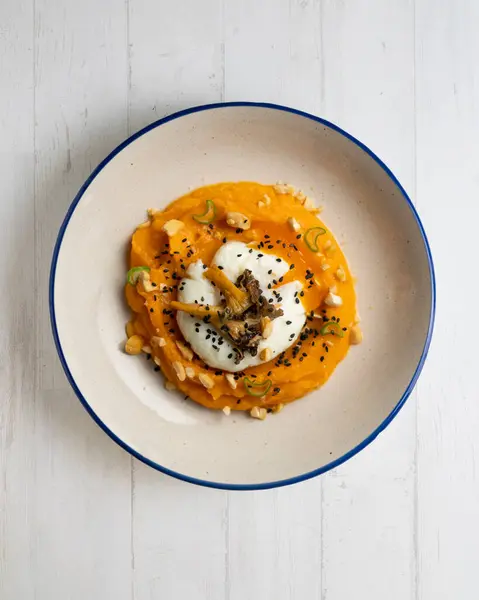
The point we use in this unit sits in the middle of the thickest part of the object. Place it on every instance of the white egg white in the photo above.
(205, 340)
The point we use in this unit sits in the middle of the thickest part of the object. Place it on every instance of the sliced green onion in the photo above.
(134, 273)
(257, 389)
(311, 237)
(333, 328)
(208, 216)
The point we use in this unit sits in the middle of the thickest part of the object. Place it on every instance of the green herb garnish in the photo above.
(311, 237)
(257, 389)
(208, 216)
(333, 328)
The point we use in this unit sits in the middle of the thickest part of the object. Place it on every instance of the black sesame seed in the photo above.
(270, 271)
(278, 260)
(224, 240)
(183, 240)
(220, 267)
(288, 322)
(291, 267)
(321, 358)
(238, 230)
(152, 310)
(298, 237)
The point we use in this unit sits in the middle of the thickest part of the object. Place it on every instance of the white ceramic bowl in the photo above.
(367, 210)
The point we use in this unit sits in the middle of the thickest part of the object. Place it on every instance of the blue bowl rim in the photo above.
(203, 482)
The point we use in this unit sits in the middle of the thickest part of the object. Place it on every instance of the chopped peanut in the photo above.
(145, 279)
(266, 327)
(261, 204)
(169, 385)
(206, 381)
(146, 349)
(179, 370)
(295, 226)
(333, 300)
(340, 274)
(258, 413)
(134, 344)
(238, 220)
(157, 361)
(190, 372)
(186, 352)
(283, 188)
(172, 227)
(231, 381)
(325, 267)
(266, 199)
(355, 335)
(266, 354)
(227, 410)
(158, 341)
(277, 408)
(329, 248)
(301, 196)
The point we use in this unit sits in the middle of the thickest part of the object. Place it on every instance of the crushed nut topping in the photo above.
(258, 413)
(179, 370)
(231, 381)
(172, 227)
(190, 372)
(186, 352)
(238, 220)
(206, 381)
(355, 335)
(295, 226)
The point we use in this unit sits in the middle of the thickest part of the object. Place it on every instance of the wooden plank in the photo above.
(176, 57)
(81, 489)
(179, 530)
(272, 53)
(447, 100)
(368, 503)
(17, 352)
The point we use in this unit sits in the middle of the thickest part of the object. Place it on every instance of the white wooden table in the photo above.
(79, 518)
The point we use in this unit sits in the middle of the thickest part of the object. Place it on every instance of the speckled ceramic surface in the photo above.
(367, 211)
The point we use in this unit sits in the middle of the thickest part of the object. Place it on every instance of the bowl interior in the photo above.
(366, 211)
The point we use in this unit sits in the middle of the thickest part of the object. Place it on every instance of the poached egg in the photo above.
(209, 343)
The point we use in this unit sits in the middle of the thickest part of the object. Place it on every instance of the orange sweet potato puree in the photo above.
(304, 366)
